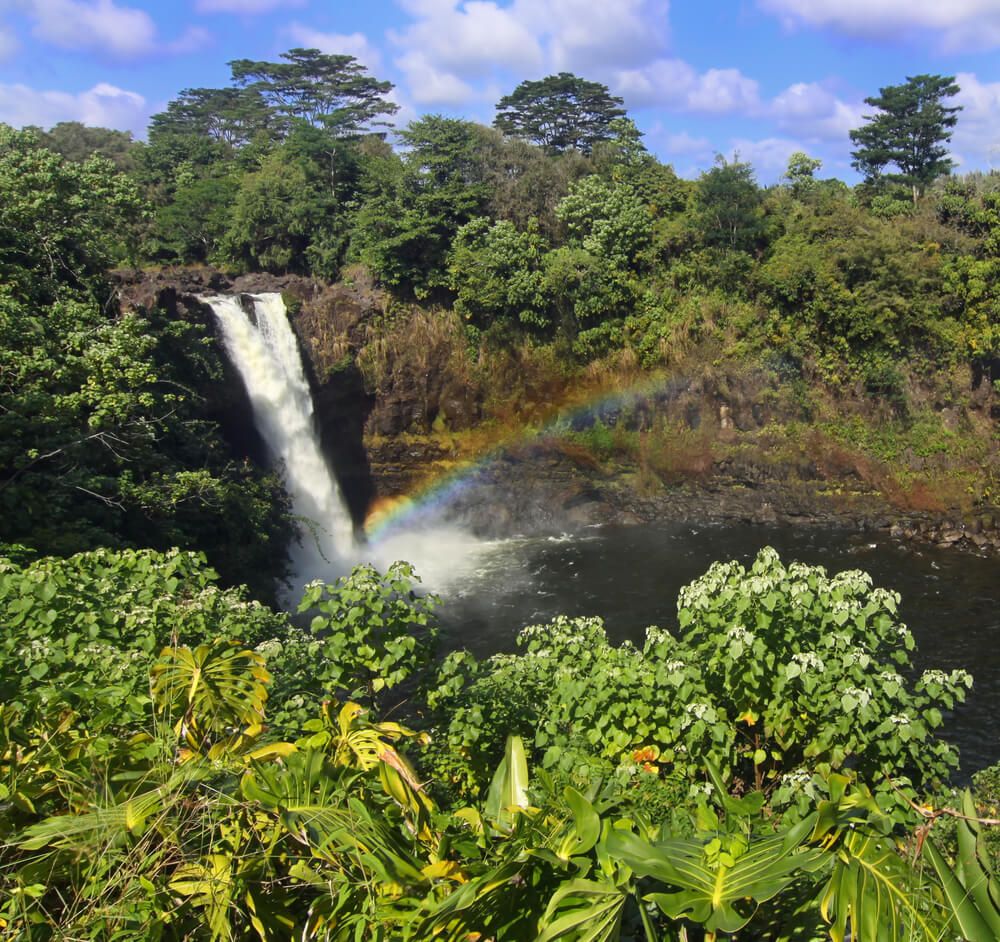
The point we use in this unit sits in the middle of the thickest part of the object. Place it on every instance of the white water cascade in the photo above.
(263, 348)
(261, 345)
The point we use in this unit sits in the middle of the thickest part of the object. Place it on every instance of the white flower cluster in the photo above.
(809, 661)
(656, 635)
(956, 678)
(739, 633)
(857, 656)
(797, 778)
(38, 649)
(269, 648)
(802, 571)
(899, 719)
(698, 593)
(674, 665)
(890, 677)
(881, 596)
(854, 580)
(695, 711)
(862, 695)
(761, 585)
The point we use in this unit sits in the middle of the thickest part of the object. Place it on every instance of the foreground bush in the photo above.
(780, 674)
(159, 805)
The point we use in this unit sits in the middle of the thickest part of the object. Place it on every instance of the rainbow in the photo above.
(405, 511)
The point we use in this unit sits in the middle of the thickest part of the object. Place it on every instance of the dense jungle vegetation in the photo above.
(179, 760)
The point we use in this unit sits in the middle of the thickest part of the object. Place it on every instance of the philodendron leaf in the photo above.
(969, 914)
(509, 788)
(586, 824)
(719, 890)
(583, 911)
(870, 896)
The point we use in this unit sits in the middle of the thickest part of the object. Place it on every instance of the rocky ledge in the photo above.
(537, 489)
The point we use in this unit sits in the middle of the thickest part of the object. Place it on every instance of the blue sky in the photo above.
(759, 77)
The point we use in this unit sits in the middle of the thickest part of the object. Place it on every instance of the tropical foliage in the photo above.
(145, 796)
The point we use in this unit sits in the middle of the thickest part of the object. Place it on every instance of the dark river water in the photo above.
(630, 576)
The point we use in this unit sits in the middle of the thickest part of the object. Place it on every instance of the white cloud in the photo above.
(191, 40)
(687, 145)
(8, 45)
(976, 139)
(956, 24)
(100, 25)
(406, 113)
(429, 85)
(769, 156)
(104, 105)
(813, 111)
(675, 84)
(245, 7)
(452, 43)
(104, 27)
(583, 35)
(469, 41)
(347, 44)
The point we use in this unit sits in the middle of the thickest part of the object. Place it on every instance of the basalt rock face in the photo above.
(385, 376)
(139, 288)
(320, 316)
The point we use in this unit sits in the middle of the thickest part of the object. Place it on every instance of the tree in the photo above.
(62, 224)
(229, 116)
(909, 131)
(329, 91)
(607, 218)
(801, 171)
(416, 205)
(728, 206)
(286, 217)
(523, 182)
(559, 112)
(496, 273)
(77, 142)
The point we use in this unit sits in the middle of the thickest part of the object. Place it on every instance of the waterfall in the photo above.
(264, 350)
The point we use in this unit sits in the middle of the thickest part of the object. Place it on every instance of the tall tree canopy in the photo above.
(329, 91)
(559, 112)
(106, 435)
(230, 116)
(909, 131)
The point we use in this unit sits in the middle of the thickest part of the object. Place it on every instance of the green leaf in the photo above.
(583, 911)
(509, 788)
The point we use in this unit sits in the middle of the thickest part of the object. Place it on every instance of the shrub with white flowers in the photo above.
(821, 684)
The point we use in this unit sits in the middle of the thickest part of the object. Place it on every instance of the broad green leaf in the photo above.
(583, 911)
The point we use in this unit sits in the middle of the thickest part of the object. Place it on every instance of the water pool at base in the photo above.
(630, 577)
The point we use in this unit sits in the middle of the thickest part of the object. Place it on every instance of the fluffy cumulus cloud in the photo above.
(104, 27)
(430, 85)
(813, 111)
(350, 44)
(768, 156)
(688, 145)
(104, 105)
(674, 84)
(466, 41)
(581, 35)
(451, 44)
(8, 45)
(976, 139)
(955, 24)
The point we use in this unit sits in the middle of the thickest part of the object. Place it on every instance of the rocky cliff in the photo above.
(400, 400)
